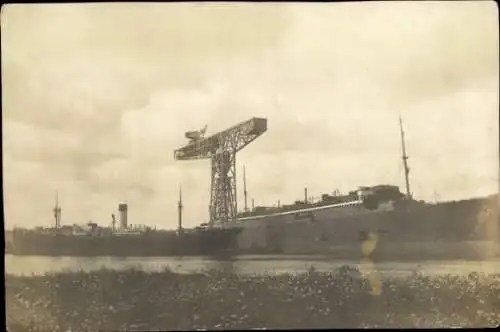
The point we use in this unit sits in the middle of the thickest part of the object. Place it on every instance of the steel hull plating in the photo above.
(455, 230)
(204, 243)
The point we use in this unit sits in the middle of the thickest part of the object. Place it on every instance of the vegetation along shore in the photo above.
(109, 300)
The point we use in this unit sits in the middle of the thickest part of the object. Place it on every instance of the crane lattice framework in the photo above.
(221, 148)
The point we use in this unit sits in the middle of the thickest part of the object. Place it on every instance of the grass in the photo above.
(220, 299)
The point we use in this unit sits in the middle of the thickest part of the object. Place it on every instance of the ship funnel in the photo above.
(123, 207)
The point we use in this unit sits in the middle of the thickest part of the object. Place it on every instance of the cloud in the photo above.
(417, 49)
(83, 71)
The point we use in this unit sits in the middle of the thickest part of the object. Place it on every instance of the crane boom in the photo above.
(221, 148)
(234, 139)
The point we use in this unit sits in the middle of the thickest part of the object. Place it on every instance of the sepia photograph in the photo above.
(250, 165)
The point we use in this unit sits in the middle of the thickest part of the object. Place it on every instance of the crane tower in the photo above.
(221, 148)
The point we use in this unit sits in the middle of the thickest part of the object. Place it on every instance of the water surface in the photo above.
(29, 265)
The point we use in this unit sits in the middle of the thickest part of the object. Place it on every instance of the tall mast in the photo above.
(57, 212)
(245, 188)
(405, 158)
(179, 208)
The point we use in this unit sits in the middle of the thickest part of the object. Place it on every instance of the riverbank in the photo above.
(135, 300)
(243, 265)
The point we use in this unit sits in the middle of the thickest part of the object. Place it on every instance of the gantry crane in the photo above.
(221, 148)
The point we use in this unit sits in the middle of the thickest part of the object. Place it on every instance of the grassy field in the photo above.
(134, 300)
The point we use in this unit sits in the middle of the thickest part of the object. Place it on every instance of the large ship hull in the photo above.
(468, 229)
(199, 243)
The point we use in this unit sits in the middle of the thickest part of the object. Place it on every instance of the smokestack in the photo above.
(305, 195)
(253, 204)
(122, 207)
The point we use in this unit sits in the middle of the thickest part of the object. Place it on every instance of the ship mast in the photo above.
(245, 188)
(405, 158)
(57, 212)
(179, 209)
(113, 222)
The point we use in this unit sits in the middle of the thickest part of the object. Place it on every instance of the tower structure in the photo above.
(221, 149)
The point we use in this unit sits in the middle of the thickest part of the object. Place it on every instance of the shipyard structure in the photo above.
(335, 225)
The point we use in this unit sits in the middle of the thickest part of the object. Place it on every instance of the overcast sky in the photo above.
(97, 96)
